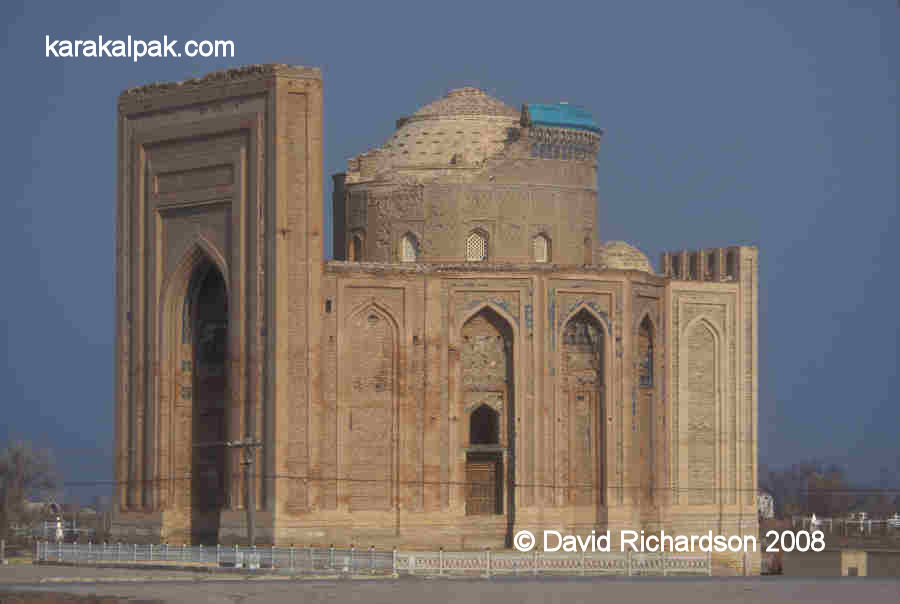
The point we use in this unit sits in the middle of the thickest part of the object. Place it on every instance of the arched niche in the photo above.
(582, 381)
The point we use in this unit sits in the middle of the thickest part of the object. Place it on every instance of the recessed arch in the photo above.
(583, 372)
(368, 407)
(645, 409)
(700, 402)
(193, 387)
(487, 372)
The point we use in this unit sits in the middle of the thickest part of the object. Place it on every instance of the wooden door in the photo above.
(482, 495)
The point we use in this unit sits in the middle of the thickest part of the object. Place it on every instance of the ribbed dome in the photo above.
(466, 101)
(622, 255)
(463, 128)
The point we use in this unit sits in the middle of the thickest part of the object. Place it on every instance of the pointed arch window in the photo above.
(476, 247)
(541, 248)
(645, 358)
(484, 426)
(409, 248)
(355, 248)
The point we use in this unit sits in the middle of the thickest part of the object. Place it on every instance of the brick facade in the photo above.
(434, 402)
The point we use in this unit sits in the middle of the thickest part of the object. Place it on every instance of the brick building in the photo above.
(474, 361)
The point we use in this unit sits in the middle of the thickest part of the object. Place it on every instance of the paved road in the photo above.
(171, 587)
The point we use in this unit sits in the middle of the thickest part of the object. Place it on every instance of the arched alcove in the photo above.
(582, 383)
(487, 366)
(645, 408)
(203, 396)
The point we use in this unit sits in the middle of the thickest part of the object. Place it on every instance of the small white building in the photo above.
(765, 505)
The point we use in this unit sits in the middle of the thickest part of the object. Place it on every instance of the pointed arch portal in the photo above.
(203, 398)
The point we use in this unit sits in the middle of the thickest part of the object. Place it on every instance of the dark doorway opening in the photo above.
(209, 318)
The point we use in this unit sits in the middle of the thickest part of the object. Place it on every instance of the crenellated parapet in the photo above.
(706, 264)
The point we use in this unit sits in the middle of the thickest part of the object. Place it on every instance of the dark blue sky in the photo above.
(765, 122)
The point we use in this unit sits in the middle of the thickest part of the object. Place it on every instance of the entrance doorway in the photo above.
(484, 493)
(209, 322)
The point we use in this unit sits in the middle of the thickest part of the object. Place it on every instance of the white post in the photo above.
(218, 554)
(441, 562)
(709, 563)
(488, 563)
(292, 556)
(628, 561)
(582, 562)
(534, 563)
(135, 552)
(665, 564)
(394, 561)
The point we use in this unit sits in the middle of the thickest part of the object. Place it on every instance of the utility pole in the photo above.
(248, 448)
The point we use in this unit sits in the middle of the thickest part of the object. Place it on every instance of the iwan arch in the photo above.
(473, 362)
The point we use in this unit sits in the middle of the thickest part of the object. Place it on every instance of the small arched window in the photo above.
(541, 248)
(409, 248)
(645, 353)
(476, 247)
(355, 249)
(484, 426)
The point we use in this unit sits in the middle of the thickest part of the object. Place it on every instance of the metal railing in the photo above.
(884, 527)
(311, 560)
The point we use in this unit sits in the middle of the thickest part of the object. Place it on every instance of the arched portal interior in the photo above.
(207, 336)
(581, 409)
(488, 391)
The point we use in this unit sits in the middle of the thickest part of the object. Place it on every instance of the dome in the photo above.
(463, 128)
(466, 101)
(624, 256)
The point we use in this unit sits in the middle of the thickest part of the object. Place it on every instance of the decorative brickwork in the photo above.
(424, 391)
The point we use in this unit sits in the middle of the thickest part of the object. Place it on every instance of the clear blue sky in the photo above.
(764, 122)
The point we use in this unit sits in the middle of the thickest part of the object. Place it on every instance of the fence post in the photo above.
(292, 557)
(582, 562)
(534, 563)
(2, 550)
(235, 555)
(331, 557)
(312, 564)
(352, 549)
(394, 561)
(135, 553)
(666, 566)
(441, 561)
(488, 563)
(372, 560)
(151, 552)
(709, 563)
(628, 561)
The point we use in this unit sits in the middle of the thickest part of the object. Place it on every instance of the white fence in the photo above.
(309, 560)
(889, 527)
